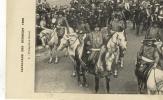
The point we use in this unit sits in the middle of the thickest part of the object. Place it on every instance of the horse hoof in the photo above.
(55, 62)
(86, 85)
(65, 55)
(109, 73)
(80, 85)
(121, 67)
(115, 76)
(49, 62)
(43, 46)
(107, 92)
(95, 92)
(81, 73)
(74, 74)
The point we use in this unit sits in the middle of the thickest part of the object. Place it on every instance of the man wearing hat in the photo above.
(94, 43)
(61, 25)
(117, 24)
(60, 18)
(61, 21)
(84, 27)
(148, 57)
(153, 32)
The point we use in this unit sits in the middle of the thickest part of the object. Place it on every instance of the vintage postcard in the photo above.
(84, 49)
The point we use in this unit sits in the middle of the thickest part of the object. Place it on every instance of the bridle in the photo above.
(68, 40)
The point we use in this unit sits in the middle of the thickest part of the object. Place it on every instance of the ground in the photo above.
(57, 77)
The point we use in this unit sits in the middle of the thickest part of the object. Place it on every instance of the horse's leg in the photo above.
(99, 62)
(121, 62)
(78, 73)
(139, 85)
(161, 91)
(107, 84)
(149, 92)
(51, 54)
(96, 83)
(137, 29)
(43, 39)
(56, 54)
(133, 25)
(109, 61)
(143, 27)
(84, 77)
(66, 52)
(125, 23)
(75, 65)
(142, 86)
(138, 80)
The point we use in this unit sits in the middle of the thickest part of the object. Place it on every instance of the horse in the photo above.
(107, 55)
(152, 77)
(49, 38)
(75, 50)
(155, 81)
(52, 38)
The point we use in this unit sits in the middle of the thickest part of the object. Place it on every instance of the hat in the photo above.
(149, 41)
(60, 13)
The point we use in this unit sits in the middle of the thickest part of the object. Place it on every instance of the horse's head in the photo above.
(122, 40)
(68, 38)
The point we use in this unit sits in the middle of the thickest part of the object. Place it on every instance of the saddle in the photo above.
(143, 71)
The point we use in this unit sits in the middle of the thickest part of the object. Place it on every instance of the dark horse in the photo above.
(90, 66)
(78, 52)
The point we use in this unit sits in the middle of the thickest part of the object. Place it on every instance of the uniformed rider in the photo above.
(94, 43)
(148, 57)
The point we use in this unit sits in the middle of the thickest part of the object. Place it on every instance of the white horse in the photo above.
(50, 38)
(75, 51)
(117, 41)
(155, 81)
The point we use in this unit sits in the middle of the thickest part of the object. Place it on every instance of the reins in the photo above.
(113, 41)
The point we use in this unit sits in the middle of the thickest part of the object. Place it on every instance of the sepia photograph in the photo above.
(99, 46)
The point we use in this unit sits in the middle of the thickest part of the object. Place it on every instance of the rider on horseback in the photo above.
(95, 41)
(61, 25)
(148, 57)
(117, 25)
